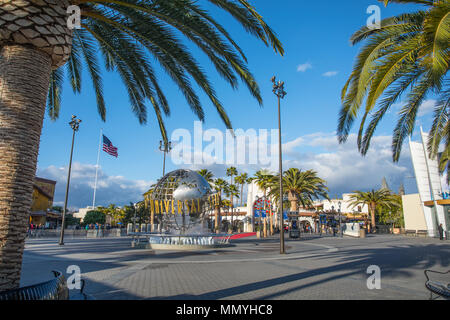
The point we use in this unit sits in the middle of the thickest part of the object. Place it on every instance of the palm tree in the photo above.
(208, 175)
(231, 172)
(128, 35)
(220, 185)
(373, 199)
(263, 180)
(410, 52)
(231, 191)
(241, 180)
(393, 213)
(301, 186)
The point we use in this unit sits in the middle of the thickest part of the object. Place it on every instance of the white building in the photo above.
(428, 209)
(345, 203)
(82, 212)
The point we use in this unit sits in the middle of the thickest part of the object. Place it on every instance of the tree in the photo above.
(392, 214)
(94, 216)
(241, 180)
(231, 172)
(373, 199)
(220, 185)
(409, 53)
(71, 221)
(300, 186)
(208, 175)
(263, 180)
(36, 40)
(114, 213)
(57, 209)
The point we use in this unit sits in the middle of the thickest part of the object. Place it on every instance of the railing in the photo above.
(439, 288)
(55, 289)
(70, 233)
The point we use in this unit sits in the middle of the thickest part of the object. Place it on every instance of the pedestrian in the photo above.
(441, 232)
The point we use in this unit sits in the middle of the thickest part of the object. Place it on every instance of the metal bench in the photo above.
(410, 232)
(439, 288)
(55, 289)
(423, 233)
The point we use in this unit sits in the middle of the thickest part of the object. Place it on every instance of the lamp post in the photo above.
(165, 147)
(278, 90)
(134, 218)
(340, 219)
(75, 125)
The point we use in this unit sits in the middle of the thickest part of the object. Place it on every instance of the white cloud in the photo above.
(330, 73)
(426, 107)
(304, 67)
(110, 189)
(345, 170)
(341, 165)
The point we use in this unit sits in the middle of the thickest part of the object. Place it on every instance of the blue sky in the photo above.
(317, 63)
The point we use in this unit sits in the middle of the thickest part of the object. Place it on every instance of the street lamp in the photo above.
(134, 219)
(75, 125)
(278, 90)
(340, 219)
(165, 147)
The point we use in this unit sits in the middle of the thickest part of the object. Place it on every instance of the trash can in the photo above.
(362, 233)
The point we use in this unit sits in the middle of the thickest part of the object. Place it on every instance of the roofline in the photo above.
(45, 180)
(43, 192)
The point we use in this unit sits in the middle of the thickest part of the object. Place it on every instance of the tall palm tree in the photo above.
(241, 180)
(220, 185)
(300, 187)
(128, 35)
(263, 180)
(208, 175)
(231, 191)
(231, 172)
(373, 199)
(409, 53)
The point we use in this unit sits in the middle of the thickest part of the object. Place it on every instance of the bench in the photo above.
(422, 233)
(55, 289)
(439, 288)
(410, 232)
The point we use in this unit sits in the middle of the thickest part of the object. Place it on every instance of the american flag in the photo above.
(109, 148)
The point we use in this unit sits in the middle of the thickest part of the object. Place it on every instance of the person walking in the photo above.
(441, 232)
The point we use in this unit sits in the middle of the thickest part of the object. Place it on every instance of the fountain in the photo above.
(183, 201)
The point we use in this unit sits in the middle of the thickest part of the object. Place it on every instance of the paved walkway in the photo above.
(313, 268)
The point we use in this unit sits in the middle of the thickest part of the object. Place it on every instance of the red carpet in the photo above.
(243, 235)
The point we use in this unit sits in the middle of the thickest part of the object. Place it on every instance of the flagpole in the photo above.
(96, 169)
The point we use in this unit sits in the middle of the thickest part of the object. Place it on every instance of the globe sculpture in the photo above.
(183, 200)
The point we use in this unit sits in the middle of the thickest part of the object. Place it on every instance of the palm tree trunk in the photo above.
(24, 82)
(373, 208)
(242, 190)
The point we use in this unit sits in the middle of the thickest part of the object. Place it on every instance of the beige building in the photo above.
(413, 212)
(82, 213)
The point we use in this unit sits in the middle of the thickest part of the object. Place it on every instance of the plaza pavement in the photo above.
(313, 268)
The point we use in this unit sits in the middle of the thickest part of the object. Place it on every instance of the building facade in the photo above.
(434, 208)
(42, 203)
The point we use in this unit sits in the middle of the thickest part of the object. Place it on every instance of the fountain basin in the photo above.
(181, 242)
